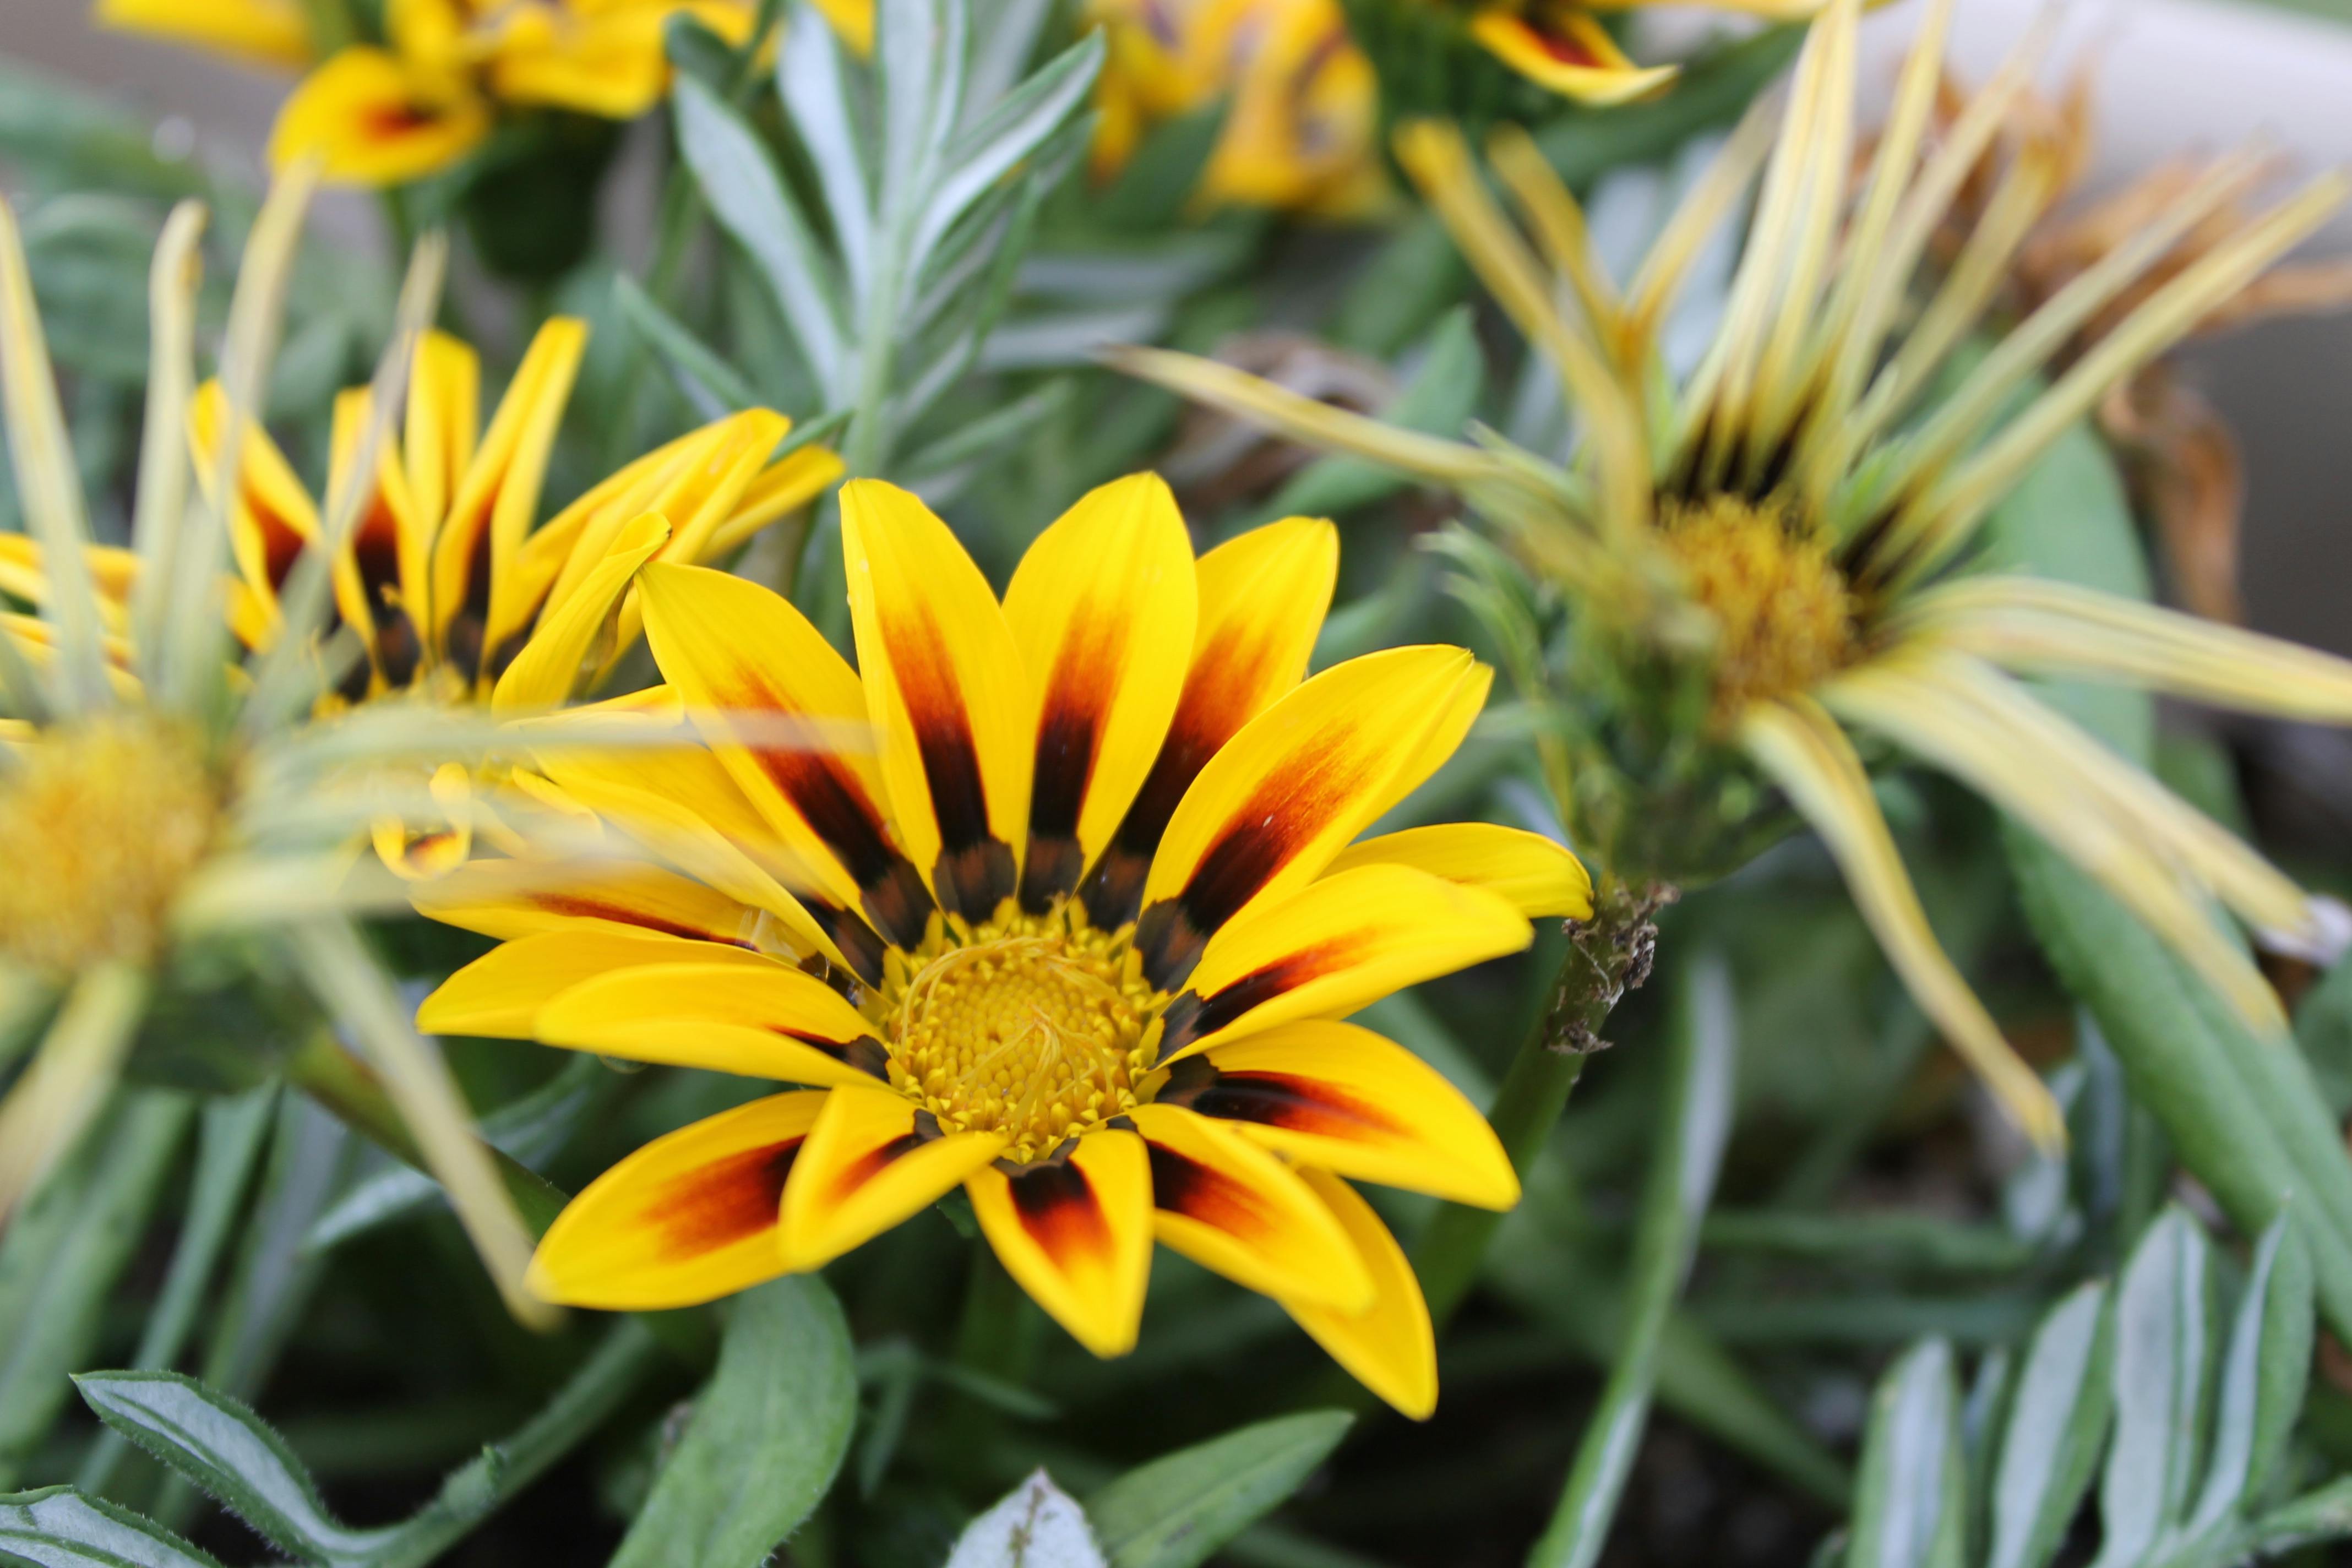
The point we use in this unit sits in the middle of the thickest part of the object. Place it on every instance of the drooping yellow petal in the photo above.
(786, 485)
(866, 1167)
(1803, 751)
(786, 716)
(945, 686)
(1076, 1233)
(1231, 1206)
(756, 1021)
(499, 994)
(1567, 52)
(379, 568)
(1392, 1349)
(1339, 1097)
(274, 519)
(510, 899)
(372, 121)
(1449, 728)
(1261, 603)
(444, 390)
(1102, 606)
(565, 641)
(1286, 792)
(1539, 877)
(688, 1218)
(426, 854)
(268, 32)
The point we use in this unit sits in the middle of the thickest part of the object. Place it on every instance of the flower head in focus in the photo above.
(171, 823)
(1075, 938)
(1773, 558)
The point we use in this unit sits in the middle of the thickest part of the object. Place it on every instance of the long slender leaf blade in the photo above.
(748, 197)
(59, 1528)
(715, 387)
(1438, 401)
(2273, 1324)
(767, 1435)
(2161, 1332)
(2321, 1515)
(1909, 1496)
(223, 1447)
(1036, 1525)
(2057, 1421)
(918, 46)
(810, 83)
(1176, 1510)
(1009, 133)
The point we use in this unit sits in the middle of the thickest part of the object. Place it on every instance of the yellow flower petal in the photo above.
(1392, 1349)
(268, 32)
(757, 1021)
(374, 122)
(1566, 52)
(510, 899)
(549, 665)
(688, 1218)
(1076, 1233)
(499, 994)
(1539, 877)
(865, 1168)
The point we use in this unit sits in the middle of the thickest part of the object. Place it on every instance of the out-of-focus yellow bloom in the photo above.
(385, 114)
(1300, 132)
(1561, 44)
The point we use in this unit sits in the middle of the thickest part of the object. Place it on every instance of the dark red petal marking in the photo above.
(1056, 1206)
(975, 869)
(1192, 1015)
(864, 1169)
(1290, 806)
(1561, 48)
(838, 809)
(1079, 698)
(1215, 704)
(281, 545)
(1184, 1185)
(1296, 1103)
(588, 907)
(375, 550)
(701, 1211)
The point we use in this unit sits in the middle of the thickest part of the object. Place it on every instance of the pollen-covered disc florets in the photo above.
(1038, 1027)
(1783, 613)
(101, 823)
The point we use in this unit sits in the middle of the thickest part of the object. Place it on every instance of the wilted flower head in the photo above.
(1774, 554)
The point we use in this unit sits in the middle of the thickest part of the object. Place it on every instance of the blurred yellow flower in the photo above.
(1561, 44)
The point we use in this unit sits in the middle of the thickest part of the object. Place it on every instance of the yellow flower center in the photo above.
(1783, 613)
(1038, 1027)
(101, 823)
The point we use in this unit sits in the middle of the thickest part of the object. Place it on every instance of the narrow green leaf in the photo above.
(749, 199)
(767, 1435)
(715, 387)
(814, 90)
(2264, 1374)
(1176, 1510)
(1910, 1503)
(2057, 1421)
(2321, 1515)
(2162, 1339)
(1157, 183)
(231, 1453)
(63, 1254)
(1037, 1525)
(59, 1528)
(1011, 131)
(919, 50)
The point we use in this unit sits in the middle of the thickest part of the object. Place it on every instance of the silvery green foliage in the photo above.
(893, 263)
(2179, 1412)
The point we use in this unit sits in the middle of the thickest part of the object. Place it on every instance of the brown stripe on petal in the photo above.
(587, 907)
(1056, 1206)
(835, 803)
(1184, 1185)
(974, 872)
(866, 1167)
(850, 934)
(1191, 1016)
(1296, 1103)
(724, 1202)
(1217, 701)
(1079, 698)
(470, 624)
(281, 545)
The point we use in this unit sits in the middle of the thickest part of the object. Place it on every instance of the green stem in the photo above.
(1694, 1116)
(1607, 957)
(603, 1384)
(233, 1133)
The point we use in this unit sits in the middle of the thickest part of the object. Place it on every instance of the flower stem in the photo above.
(1608, 955)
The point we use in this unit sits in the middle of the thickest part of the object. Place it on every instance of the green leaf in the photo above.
(1011, 131)
(748, 197)
(1176, 1510)
(2057, 1420)
(1037, 1525)
(767, 1435)
(63, 1254)
(714, 387)
(2163, 1335)
(231, 1453)
(1910, 1502)
(2321, 1515)
(2263, 1375)
(1438, 401)
(59, 1528)
(811, 83)
(2322, 1028)
(1151, 191)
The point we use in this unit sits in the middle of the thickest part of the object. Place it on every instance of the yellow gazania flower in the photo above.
(1561, 44)
(1300, 133)
(454, 597)
(1767, 558)
(1075, 940)
(382, 116)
